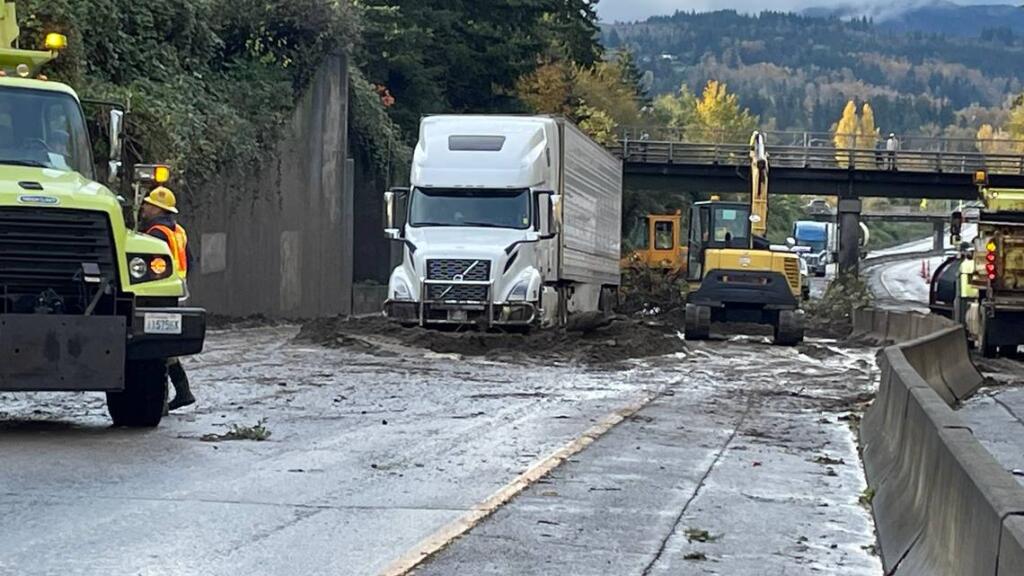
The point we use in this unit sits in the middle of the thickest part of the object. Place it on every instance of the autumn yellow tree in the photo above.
(600, 98)
(867, 137)
(846, 133)
(719, 116)
(548, 89)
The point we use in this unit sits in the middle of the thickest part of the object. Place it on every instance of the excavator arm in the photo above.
(759, 186)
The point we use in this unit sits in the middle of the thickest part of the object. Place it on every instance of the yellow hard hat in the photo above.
(163, 199)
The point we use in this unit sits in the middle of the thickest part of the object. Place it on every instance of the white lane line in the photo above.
(456, 528)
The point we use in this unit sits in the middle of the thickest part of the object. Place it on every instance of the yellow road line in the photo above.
(449, 532)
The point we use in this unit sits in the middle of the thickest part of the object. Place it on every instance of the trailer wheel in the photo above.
(698, 322)
(141, 404)
(789, 328)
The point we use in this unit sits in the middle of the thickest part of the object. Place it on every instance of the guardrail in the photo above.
(928, 161)
(942, 504)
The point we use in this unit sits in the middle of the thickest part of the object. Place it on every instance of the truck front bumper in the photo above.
(163, 339)
(65, 353)
(488, 314)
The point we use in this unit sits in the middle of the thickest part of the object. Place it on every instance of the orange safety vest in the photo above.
(177, 240)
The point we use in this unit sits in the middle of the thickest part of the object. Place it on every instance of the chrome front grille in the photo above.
(459, 270)
(457, 293)
(458, 280)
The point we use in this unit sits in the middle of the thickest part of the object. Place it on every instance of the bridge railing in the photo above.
(909, 142)
(647, 151)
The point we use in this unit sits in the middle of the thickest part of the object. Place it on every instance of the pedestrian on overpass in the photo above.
(892, 146)
(158, 216)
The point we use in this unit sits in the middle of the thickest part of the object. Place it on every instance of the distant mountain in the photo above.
(932, 17)
(798, 71)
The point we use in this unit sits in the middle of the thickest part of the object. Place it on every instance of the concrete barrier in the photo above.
(943, 506)
(1011, 550)
(862, 319)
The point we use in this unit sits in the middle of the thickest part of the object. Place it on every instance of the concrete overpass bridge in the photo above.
(810, 164)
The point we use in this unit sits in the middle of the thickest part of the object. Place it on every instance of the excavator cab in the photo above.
(735, 276)
(658, 243)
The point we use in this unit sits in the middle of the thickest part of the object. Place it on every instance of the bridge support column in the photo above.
(938, 236)
(849, 235)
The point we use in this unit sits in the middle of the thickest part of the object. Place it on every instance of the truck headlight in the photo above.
(138, 268)
(519, 291)
(148, 267)
(402, 291)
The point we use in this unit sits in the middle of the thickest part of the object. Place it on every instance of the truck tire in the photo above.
(698, 322)
(789, 328)
(141, 404)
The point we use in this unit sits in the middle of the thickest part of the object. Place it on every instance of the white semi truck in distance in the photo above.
(509, 221)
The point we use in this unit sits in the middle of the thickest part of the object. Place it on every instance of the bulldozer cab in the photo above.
(716, 225)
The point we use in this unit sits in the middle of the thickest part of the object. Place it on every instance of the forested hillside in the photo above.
(798, 72)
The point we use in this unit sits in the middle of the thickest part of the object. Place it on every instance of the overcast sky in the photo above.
(624, 10)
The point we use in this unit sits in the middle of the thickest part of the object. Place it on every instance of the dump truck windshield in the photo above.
(43, 129)
(470, 208)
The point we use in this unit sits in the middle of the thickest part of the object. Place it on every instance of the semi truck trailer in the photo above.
(509, 221)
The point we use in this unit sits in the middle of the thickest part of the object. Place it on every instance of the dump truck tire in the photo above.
(789, 328)
(698, 322)
(141, 404)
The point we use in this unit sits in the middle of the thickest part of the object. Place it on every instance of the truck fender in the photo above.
(533, 279)
(400, 278)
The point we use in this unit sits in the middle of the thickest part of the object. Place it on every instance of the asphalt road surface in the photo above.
(374, 451)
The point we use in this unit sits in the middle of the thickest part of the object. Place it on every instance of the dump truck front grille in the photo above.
(42, 251)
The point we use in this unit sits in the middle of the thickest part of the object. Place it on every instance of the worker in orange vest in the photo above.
(158, 218)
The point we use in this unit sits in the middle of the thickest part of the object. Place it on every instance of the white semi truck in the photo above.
(509, 221)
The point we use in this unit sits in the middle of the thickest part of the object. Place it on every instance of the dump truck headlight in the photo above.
(138, 268)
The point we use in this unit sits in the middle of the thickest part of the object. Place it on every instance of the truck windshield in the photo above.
(43, 129)
(471, 207)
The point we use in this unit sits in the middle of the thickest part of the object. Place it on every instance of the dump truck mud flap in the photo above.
(43, 352)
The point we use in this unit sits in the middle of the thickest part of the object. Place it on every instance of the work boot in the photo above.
(182, 393)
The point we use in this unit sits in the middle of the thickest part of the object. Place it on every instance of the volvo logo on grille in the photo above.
(35, 199)
(459, 277)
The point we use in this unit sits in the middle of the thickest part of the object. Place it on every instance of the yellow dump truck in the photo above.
(86, 302)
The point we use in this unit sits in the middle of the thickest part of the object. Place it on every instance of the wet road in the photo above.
(370, 454)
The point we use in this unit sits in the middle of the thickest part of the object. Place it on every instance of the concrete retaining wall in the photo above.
(281, 242)
(942, 505)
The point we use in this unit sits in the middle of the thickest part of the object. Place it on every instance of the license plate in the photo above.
(163, 323)
(457, 315)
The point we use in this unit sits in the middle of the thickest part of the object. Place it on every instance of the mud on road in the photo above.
(593, 343)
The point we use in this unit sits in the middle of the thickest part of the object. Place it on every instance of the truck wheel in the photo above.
(141, 404)
(698, 322)
(789, 328)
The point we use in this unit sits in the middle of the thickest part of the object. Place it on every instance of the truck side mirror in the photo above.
(554, 208)
(956, 224)
(393, 220)
(390, 230)
(116, 143)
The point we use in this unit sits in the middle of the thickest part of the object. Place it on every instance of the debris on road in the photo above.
(589, 340)
(258, 433)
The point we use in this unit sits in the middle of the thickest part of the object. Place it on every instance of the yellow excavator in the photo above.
(658, 244)
(733, 272)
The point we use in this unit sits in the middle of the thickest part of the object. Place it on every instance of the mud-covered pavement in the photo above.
(374, 446)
